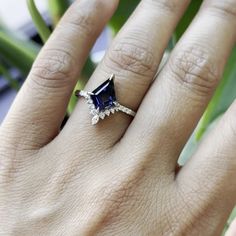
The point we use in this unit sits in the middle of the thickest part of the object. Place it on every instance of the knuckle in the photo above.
(131, 57)
(194, 69)
(53, 69)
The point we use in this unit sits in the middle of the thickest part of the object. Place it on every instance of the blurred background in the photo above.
(14, 14)
(25, 26)
(18, 20)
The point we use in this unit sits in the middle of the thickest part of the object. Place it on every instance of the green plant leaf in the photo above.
(17, 52)
(123, 11)
(223, 97)
(187, 19)
(13, 83)
(57, 8)
(38, 20)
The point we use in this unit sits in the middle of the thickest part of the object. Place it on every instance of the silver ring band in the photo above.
(126, 110)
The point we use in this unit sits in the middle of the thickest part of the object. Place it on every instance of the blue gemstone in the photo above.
(104, 96)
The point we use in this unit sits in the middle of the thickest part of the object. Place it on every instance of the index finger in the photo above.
(40, 106)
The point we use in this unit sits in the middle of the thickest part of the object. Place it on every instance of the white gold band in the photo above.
(124, 109)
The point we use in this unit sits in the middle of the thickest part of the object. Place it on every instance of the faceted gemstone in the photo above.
(104, 96)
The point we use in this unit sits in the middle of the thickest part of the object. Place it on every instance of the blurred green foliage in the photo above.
(20, 53)
(16, 51)
(123, 12)
(57, 9)
(38, 20)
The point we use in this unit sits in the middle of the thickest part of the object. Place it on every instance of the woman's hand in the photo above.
(118, 177)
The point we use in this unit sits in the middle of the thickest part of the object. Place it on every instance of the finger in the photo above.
(232, 229)
(41, 104)
(133, 57)
(176, 101)
(208, 179)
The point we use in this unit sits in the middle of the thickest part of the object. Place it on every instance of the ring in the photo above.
(102, 101)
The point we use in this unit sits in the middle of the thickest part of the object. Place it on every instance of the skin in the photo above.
(118, 177)
(232, 229)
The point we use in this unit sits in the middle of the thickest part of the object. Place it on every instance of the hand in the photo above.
(119, 177)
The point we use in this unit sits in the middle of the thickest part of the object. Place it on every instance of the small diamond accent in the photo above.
(91, 106)
(102, 115)
(83, 93)
(107, 112)
(95, 120)
(90, 101)
(93, 112)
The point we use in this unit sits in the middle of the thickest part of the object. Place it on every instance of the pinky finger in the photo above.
(208, 178)
(232, 229)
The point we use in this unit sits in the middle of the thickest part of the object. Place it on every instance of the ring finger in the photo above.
(187, 82)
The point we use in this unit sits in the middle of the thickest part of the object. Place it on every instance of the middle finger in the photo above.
(133, 57)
